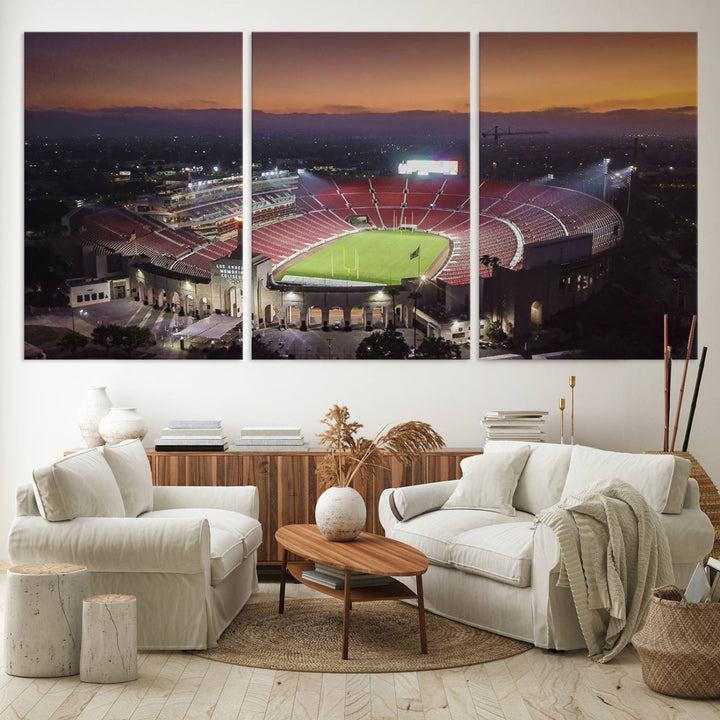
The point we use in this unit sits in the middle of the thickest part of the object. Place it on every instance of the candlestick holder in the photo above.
(572, 409)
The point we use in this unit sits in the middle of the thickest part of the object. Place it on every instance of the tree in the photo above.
(494, 332)
(128, 338)
(72, 342)
(103, 335)
(386, 345)
(232, 352)
(131, 337)
(438, 348)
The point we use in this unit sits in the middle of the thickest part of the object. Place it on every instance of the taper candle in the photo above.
(561, 405)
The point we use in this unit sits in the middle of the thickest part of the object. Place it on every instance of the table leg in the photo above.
(421, 615)
(346, 615)
(283, 572)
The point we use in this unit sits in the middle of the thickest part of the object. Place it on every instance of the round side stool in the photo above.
(109, 639)
(43, 619)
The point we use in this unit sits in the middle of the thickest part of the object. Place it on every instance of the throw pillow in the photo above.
(660, 479)
(79, 485)
(131, 468)
(542, 480)
(488, 482)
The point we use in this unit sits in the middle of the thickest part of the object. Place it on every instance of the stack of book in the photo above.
(519, 425)
(334, 578)
(192, 435)
(259, 439)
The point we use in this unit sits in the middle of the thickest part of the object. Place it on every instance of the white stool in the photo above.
(43, 619)
(109, 639)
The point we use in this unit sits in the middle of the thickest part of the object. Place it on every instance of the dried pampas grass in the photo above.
(352, 457)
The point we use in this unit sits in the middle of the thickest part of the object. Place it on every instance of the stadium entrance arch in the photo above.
(336, 317)
(314, 316)
(357, 317)
(536, 313)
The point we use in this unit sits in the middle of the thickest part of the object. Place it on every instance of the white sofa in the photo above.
(187, 553)
(495, 571)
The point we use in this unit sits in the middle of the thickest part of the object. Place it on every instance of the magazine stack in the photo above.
(332, 577)
(192, 436)
(518, 425)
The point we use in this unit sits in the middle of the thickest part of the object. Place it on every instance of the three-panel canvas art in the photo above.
(578, 231)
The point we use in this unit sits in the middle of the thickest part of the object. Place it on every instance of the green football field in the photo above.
(377, 256)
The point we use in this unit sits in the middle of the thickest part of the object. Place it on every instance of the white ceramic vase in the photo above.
(340, 513)
(95, 406)
(122, 424)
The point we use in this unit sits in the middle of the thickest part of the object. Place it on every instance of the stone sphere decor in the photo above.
(340, 514)
(95, 406)
(122, 424)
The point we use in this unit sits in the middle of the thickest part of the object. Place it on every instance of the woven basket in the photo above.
(680, 646)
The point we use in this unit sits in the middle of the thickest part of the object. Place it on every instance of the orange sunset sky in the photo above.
(591, 71)
(361, 72)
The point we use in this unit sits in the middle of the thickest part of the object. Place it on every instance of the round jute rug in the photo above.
(384, 637)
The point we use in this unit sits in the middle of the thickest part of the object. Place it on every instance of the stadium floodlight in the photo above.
(427, 167)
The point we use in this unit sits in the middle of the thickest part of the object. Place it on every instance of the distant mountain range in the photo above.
(414, 124)
(670, 122)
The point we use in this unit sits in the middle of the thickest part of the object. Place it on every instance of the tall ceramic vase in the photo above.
(96, 404)
(340, 513)
(122, 424)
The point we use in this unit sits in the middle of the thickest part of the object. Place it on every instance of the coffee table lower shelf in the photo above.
(394, 590)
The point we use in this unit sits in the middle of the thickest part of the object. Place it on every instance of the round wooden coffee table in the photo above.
(368, 553)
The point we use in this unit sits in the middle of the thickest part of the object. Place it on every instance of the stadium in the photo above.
(365, 252)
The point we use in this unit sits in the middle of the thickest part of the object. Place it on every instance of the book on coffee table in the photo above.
(332, 577)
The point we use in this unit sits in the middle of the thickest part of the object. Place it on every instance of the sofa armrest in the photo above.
(242, 499)
(177, 545)
(690, 535)
(403, 503)
(25, 503)
(692, 495)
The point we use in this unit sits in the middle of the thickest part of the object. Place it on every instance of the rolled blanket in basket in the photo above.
(614, 551)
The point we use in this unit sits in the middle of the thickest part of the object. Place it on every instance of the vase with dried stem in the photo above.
(340, 511)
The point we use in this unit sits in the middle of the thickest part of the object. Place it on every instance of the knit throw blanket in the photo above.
(614, 551)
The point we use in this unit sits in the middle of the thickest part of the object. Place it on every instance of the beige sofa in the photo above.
(497, 572)
(187, 553)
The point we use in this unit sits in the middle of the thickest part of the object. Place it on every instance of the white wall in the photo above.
(619, 403)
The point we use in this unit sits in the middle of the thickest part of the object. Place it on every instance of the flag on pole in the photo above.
(415, 253)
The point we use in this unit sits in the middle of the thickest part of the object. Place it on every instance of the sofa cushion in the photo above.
(79, 485)
(131, 468)
(435, 532)
(542, 480)
(227, 551)
(660, 479)
(501, 552)
(232, 536)
(488, 482)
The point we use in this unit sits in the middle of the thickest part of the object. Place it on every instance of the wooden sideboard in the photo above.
(286, 482)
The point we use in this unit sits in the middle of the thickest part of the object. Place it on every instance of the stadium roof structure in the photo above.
(513, 215)
(115, 230)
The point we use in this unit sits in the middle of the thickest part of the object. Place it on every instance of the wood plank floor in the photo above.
(536, 685)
